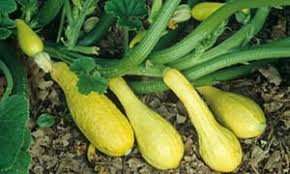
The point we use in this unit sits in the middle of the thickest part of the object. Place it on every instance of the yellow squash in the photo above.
(158, 141)
(95, 115)
(203, 10)
(29, 41)
(236, 112)
(218, 147)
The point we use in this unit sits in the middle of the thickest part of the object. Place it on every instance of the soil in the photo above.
(62, 149)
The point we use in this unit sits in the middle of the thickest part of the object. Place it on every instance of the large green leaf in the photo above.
(7, 6)
(4, 33)
(13, 117)
(23, 158)
(128, 12)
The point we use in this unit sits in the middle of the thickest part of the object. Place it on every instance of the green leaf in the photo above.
(89, 78)
(88, 83)
(45, 120)
(5, 21)
(128, 12)
(13, 117)
(7, 6)
(4, 33)
(86, 65)
(27, 140)
(23, 158)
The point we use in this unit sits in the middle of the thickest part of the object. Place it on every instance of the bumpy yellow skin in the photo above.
(218, 147)
(29, 41)
(95, 115)
(203, 10)
(236, 112)
(158, 141)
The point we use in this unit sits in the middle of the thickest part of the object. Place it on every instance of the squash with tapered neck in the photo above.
(158, 141)
(238, 113)
(218, 147)
(96, 116)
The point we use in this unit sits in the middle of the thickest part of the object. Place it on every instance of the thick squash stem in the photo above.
(189, 43)
(144, 48)
(43, 61)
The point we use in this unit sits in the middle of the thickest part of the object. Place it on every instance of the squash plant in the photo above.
(198, 56)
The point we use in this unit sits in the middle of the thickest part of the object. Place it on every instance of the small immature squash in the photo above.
(158, 141)
(238, 113)
(95, 115)
(218, 147)
(29, 42)
(203, 10)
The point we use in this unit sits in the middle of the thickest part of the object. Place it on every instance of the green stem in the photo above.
(241, 37)
(235, 58)
(221, 62)
(99, 31)
(147, 70)
(285, 42)
(154, 10)
(8, 78)
(186, 45)
(99, 61)
(153, 71)
(75, 22)
(126, 40)
(169, 38)
(92, 50)
(68, 56)
(58, 54)
(142, 50)
(68, 12)
(231, 73)
(61, 26)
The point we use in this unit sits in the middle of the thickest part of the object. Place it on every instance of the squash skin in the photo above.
(29, 42)
(95, 115)
(238, 113)
(203, 10)
(158, 141)
(218, 147)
